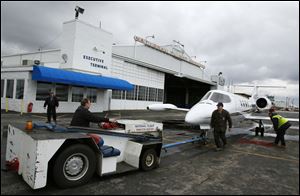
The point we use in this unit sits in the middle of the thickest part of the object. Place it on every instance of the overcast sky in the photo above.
(256, 42)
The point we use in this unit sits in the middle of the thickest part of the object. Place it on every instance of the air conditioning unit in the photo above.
(220, 80)
(27, 62)
(214, 78)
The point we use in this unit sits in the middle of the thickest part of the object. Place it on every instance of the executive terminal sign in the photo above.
(164, 50)
(95, 62)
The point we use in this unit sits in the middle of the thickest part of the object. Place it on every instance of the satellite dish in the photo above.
(64, 57)
(36, 62)
(221, 81)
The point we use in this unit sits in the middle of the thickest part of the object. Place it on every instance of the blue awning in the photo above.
(46, 74)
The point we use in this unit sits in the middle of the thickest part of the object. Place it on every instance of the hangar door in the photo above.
(183, 92)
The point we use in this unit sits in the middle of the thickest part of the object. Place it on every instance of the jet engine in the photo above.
(263, 103)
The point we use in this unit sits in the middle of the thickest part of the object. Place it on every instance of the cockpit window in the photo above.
(205, 96)
(219, 97)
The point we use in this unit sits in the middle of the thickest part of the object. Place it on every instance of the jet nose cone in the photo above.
(191, 118)
(199, 114)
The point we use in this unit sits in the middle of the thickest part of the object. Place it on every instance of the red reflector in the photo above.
(12, 165)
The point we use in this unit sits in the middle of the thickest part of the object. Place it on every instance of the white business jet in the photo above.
(200, 113)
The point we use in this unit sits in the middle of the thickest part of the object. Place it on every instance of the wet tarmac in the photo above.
(248, 165)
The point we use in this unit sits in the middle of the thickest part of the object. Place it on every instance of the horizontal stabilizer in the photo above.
(250, 117)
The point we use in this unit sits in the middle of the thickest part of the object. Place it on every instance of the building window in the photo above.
(152, 94)
(160, 95)
(77, 94)
(118, 94)
(42, 90)
(136, 92)
(142, 93)
(2, 88)
(62, 92)
(10, 88)
(130, 95)
(91, 94)
(20, 89)
(147, 93)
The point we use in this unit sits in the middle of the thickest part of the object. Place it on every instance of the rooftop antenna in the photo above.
(179, 43)
(78, 10)
(181, 48)
(152, 36)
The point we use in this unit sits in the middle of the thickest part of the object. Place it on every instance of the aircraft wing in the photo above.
(271, 125)
(250, 117)
(180, 109)
(163, 107)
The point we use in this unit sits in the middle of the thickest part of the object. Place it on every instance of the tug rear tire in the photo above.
(74, 166)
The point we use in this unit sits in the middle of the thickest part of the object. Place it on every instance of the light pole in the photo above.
(152, 36)
(78, 10)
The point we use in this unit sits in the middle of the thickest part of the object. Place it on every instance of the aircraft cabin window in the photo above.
(218, 97)
(205, 96)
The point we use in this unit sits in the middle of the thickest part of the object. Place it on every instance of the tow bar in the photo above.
(194, 139)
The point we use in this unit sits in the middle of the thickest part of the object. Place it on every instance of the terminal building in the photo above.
(114, 77)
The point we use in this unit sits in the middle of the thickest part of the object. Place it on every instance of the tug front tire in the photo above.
(149, 160)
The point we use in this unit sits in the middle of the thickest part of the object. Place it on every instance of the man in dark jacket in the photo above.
(52, 103)
(83, 116)
(218, 122)
(280, 125)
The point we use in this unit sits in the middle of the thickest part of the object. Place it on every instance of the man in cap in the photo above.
(280, 125)
(218, 122)
(52, 103)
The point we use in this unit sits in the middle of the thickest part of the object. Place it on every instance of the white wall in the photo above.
(159, 59)
(137, 75)
(49, 58)
(82, 40)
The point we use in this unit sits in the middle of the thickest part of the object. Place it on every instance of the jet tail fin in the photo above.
(254, 93)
